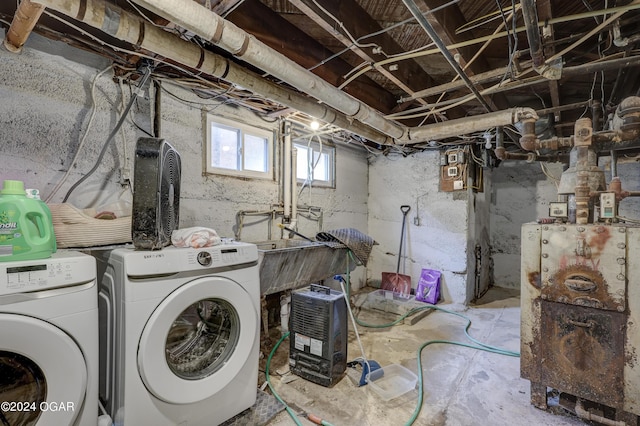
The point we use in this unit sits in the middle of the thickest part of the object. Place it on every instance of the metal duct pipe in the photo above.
(428, 28)
(125, 26)
(530, 15)
(287, 166)
(499, 150)
(461, 126)
(224, 34)
(23, 22)
(596, 115)
(294, 189)
(614, 164)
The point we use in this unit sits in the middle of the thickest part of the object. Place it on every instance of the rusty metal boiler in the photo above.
(580, 324)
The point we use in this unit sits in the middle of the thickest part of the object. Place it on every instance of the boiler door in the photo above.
(583, 351)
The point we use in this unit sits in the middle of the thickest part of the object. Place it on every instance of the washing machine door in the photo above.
(43, 374)
(197, 340)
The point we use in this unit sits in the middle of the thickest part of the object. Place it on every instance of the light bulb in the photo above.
(314, 125)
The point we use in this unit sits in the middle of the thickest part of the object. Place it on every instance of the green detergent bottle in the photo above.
(26, 228)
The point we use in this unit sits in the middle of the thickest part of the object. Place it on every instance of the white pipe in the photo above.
(461, 126)
(294, 188)
(617, 36)
(286, 180)
(125, 26)
(202, 21)
(120, 24)
(285, 303)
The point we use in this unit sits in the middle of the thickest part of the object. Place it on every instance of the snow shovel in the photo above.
(397, 282)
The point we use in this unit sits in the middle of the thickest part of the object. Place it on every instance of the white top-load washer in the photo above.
(49, 341)
(179, 334)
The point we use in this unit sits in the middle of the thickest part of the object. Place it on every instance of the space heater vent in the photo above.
(311, 319)
(318, 340)
(156, 193)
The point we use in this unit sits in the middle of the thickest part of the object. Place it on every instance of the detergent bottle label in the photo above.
(8, 222)
(8, 231)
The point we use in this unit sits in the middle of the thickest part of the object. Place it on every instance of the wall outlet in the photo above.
(458, 184)
(452, 158)
(452, 171)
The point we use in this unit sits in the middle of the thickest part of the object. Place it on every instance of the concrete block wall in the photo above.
(437, 224)
(45, 110)
(521, 193)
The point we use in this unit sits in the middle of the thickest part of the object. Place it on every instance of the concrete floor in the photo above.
(462, 386)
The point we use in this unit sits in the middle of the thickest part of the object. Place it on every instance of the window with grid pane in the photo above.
(238, 149)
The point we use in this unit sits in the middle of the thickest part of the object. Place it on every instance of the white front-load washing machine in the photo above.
(49, 341)
(179, 337)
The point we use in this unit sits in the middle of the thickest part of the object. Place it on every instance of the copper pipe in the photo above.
(23, 22)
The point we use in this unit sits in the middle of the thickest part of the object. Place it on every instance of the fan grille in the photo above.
(156, 194)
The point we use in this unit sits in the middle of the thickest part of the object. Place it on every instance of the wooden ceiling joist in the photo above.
(279, 34)
(347, 21)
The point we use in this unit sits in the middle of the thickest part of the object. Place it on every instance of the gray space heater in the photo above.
(318, 339)
(156, 194)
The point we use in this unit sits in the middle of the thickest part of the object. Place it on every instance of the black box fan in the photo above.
(156, 193)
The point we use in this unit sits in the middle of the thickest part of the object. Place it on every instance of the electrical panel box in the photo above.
(607, 205)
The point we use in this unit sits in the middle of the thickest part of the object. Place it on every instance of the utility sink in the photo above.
(289, 264)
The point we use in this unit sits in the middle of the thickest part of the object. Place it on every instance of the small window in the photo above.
(315, 164)
(238, 149)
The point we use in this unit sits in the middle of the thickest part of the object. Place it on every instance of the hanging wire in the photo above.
(143, 80)
(382, 31)
(94, 108)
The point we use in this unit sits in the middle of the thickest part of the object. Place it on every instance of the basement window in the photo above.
(316, 164)
(238, 149)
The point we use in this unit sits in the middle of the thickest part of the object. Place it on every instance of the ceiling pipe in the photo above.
(24, 20)
(431, 32)
(530, 15)
(224, 34)
(125, 26)
(130, 28)
(462, 126)
(618, 40)
(497, 74)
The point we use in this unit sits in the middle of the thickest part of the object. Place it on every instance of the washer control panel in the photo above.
(60, 270)
(171, 260)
